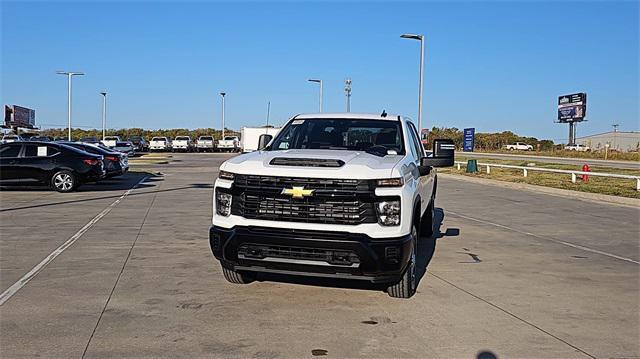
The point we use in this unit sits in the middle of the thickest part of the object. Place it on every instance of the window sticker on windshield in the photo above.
(42, 151)
(297, 122)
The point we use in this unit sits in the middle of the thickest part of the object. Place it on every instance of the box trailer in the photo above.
(249, 136)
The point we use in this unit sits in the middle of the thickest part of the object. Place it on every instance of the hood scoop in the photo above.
(306, 162)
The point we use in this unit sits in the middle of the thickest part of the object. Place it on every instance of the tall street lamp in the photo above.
(104, 113)
(421, 38)
(69, 76)
(320, 82)
(222, 94)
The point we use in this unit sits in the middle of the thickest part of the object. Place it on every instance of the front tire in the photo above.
(406, 287)
(237, 277)
(63, 181)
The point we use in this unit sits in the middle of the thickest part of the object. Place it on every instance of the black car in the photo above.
(41, 138)
(139, 143)
(115, 163)
(62, 167)
(91, 140)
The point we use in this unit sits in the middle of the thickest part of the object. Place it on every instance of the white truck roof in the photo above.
(347, 115)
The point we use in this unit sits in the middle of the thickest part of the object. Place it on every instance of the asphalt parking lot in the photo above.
(513, 273)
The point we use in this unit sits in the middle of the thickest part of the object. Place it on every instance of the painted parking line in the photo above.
(576, 246)
(7, 294)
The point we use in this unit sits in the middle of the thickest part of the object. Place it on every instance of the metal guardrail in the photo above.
(574, 174)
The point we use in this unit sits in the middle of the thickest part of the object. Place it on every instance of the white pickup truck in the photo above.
(338, 195)
(577, 148)
(182, 143)
(229, 144)
(519, 146)
(110, 141)
(159, 144)
(205, 143)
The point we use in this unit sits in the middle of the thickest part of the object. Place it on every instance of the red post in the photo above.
(585, 168)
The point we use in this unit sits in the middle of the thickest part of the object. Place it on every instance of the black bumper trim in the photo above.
(380, 260)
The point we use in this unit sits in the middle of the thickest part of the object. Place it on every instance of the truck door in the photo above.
(425, 183)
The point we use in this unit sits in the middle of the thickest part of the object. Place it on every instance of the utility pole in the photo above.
(69, 76)
(222, 94)
(104, 113)
(268, 112)
(347, 92)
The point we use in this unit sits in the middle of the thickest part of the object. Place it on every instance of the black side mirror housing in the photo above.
(263, 141)
(443, 154)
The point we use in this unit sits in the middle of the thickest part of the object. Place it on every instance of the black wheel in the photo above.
(63, 181)
(237, 277)
(406, 287)
(427, 220)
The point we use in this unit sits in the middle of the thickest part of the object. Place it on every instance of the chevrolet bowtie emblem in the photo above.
(297, 192)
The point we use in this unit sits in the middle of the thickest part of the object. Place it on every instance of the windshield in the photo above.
(340, 134)
(182, 138)
(228, 138)
(158, 139)
(206, 138)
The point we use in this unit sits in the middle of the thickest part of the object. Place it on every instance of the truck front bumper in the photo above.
(311, 253)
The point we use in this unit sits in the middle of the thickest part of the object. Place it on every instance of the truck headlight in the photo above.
(223, 203)
(388, 213)
(226, 175)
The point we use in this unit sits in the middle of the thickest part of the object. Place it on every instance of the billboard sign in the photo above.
(572, 108)
(18, 116)
(468, 140)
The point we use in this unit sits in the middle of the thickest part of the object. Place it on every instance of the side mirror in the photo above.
(263, 141)
(443, 154)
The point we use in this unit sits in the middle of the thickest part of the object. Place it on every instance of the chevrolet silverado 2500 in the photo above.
(332, 195)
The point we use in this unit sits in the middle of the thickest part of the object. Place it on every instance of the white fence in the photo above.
(574, 174)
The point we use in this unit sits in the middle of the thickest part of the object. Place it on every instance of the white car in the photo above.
(159, 144)
(110, 141)
(205, 143)
(181, 143)
(338, 195)
(10, 138)
(519, 146)
(577, 147)
(229, 144)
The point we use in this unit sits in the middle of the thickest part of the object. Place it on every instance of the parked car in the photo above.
(57, 165)
(181, 143)
(140, 144)
(41, 138)
(160, 144)
(332, 195)
(577, 147)
(90, 140)
(125, 147)
(110, 141)
(11, 138)
(115, 163)
(519, 146)
(205, 143)
(229, 144)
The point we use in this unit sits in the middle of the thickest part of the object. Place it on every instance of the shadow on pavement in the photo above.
(426, 249)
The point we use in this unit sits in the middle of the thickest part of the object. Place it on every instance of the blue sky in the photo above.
(490, 65)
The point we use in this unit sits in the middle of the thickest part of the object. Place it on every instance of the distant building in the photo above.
(617, 140)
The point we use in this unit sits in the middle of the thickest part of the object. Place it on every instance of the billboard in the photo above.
(468, 139)
(572, 108)
(18, 116)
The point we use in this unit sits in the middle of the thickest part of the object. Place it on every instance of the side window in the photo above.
(10, 151)
(416, 144)
(39, 151)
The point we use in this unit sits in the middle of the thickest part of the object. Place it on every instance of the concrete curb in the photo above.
(586, 196)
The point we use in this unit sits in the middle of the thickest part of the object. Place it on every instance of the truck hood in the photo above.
(357, 164)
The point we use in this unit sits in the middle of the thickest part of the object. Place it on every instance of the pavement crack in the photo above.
(514, 316)
(106, 304)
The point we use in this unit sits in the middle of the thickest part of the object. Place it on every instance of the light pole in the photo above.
(104, 113)
(347, 92)
(320, 82)
(421, 38)
(69, 76)
(222, 94)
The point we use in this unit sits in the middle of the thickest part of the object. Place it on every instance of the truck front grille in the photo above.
(333, 201)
